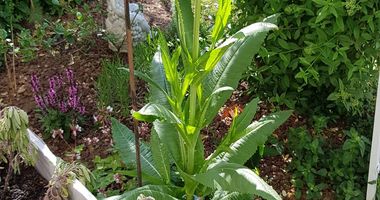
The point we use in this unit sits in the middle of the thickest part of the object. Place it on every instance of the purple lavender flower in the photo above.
(41, 104)
(52, 83)
(82, 110)
(63, 107)
(73, 97)
(35, 84)
(52, 97)
(59, 81)
(70, 75)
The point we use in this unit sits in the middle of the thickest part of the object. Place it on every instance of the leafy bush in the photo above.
(16, 12)
(188, 86)
(113, 87)
(324, 50)
(319, 164)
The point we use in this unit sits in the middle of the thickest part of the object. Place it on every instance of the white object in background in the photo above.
(45, 166)
(115, 24)
(375, 151)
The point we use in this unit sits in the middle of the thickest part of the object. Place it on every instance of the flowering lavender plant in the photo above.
(60, 105)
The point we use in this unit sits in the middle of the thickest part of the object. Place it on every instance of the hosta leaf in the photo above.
(245, 144)
(155, 191)
(125, 144)
(233, 177)
(234, 62)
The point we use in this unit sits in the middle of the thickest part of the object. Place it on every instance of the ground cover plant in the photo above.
(187, 90)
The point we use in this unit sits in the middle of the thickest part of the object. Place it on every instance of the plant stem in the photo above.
(195, 54)
(190, 157)
(9, 173)
(132, 84)
(9, 73)
(13, 62)
(193, 104)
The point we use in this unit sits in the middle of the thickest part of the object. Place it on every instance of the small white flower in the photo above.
(103, 30)
(78, 157)
(8, 40)
(78, 128)
(95, 118)
(95, 139)
(109, 109)
(99, 34)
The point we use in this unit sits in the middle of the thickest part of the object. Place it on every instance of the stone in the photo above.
(115, 24)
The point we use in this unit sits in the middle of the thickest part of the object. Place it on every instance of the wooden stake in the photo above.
(132, 84)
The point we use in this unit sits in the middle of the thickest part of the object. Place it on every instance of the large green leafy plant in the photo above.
(187, 90)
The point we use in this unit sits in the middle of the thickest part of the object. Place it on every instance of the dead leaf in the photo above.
(21, 89)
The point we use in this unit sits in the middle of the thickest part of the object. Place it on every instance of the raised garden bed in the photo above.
(46, 164)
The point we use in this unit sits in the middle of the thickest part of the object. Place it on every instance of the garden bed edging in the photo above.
(46, 164)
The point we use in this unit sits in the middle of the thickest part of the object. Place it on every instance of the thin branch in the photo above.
(132, 84)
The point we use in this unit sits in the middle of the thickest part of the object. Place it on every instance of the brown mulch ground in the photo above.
(25, 186)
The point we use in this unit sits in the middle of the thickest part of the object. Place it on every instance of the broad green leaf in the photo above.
(245, 144)
(125, 144)
(171, 72)
(170, 138)
(160, 157)
(157, 74)
(162, 93)
(208, 102)
(223, 195)
(322, 14)
(151, 112)
(272, 18)
(221, 20)
(55, 2)
(236, 178)
(234, 62)
(185, 20)
(155, 191)
(246, 117)
(215, 56)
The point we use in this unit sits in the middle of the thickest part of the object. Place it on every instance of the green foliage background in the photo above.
(324, 50)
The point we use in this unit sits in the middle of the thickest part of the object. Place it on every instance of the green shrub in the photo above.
(319, 164)
(18, 11)
(113, 87)
(324, 50)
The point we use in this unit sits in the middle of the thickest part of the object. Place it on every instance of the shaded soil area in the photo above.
(25, 186)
